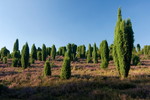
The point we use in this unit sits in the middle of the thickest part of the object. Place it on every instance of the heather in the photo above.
(88, 81)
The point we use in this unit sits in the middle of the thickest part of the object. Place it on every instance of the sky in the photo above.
(61, 22)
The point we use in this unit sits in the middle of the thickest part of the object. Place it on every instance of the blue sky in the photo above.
(61, 22)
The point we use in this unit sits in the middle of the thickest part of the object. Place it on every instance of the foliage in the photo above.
(78, 55)
(16, 54)
(44, 52)
(134, 51)
(94, 54)
(81, 50)
(39, 55)
(53, 52)
(123, 45)
(66, 68)
(104, 54)
(15, 62)
(33, 53)
(146, 50)
(87, 82)
(25, 56)
(47, 69)
(61, 51)
(74, 50)
(69, 51)
(89, 54)
(48, 51)
(138, 47)
(4, 52)
(111, 52)
(16, 45)
(135, 60)
(9, 56)
(39, 49)
(16, 59)
(4, 60)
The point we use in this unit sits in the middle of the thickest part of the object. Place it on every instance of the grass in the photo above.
(88, 82)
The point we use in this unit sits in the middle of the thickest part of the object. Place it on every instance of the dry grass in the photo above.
(88, 82)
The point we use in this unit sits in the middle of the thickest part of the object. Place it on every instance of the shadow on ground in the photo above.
(84, 87)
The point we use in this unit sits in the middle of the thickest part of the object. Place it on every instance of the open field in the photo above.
(88, 82)
(74, 50)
